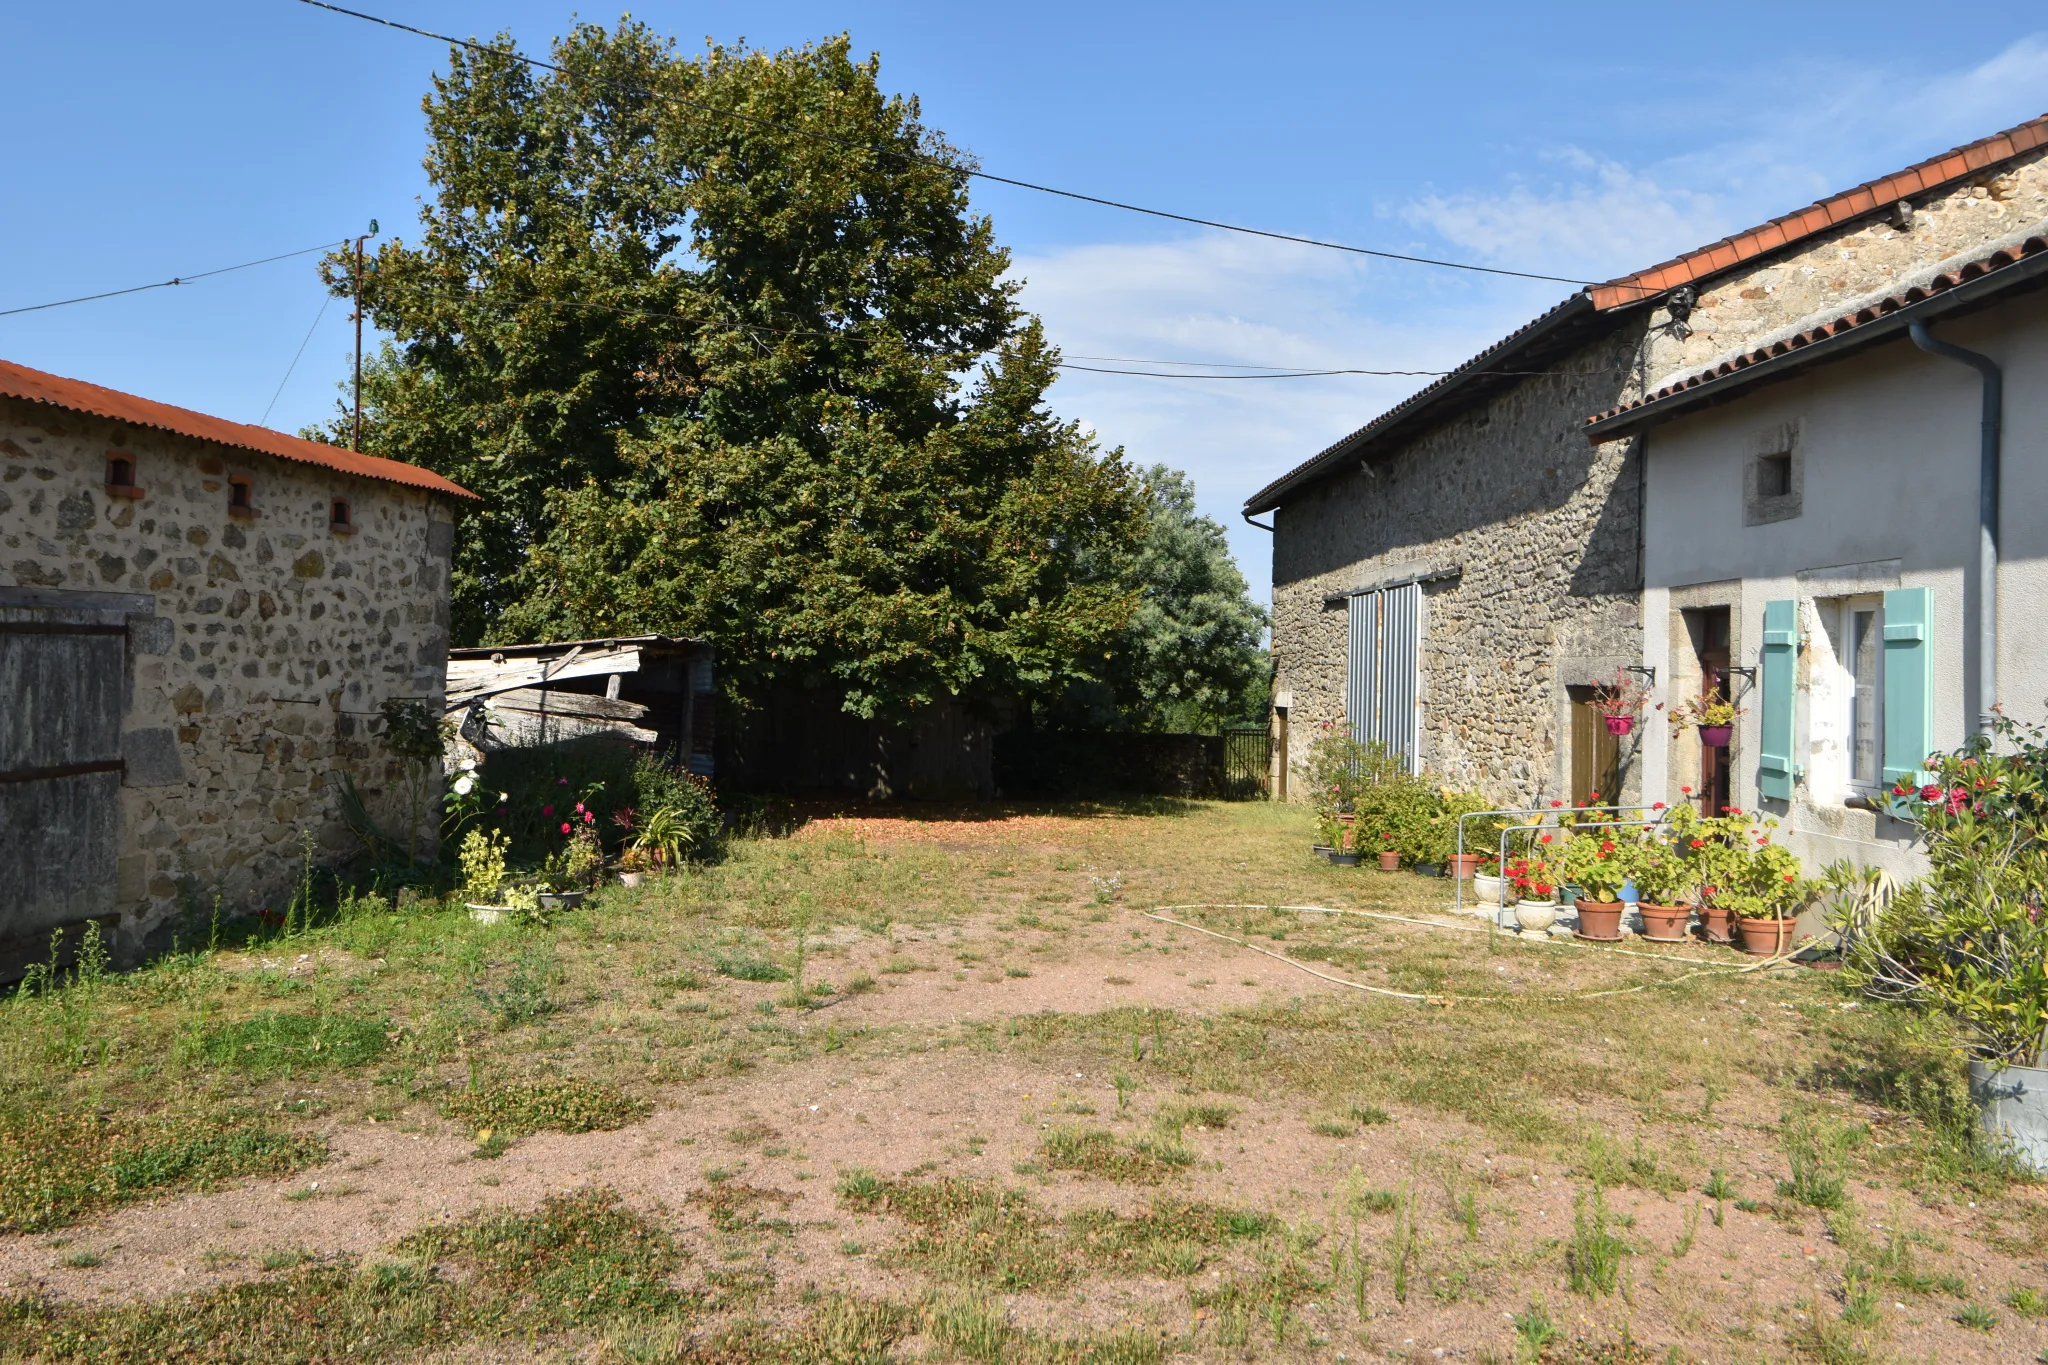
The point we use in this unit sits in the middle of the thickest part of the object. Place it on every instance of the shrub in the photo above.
(1969, 941)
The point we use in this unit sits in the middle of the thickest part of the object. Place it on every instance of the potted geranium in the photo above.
(1620, 702)
(1390, 856)
(1535, 883)
(1711, 716)
(1764, 888)
(1599, 864)
(1663, 887)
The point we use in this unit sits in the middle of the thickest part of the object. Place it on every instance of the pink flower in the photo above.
(565, 828)
(589, 818)
(1930, 792)
(579, 808)
(547, 810)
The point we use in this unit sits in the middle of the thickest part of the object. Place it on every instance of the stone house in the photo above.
(199, 621)
(1836, 511)
(1454, 576)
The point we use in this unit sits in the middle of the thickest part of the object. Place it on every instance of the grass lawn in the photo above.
(932, 1085)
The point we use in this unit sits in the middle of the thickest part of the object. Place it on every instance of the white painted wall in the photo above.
(1889, 444)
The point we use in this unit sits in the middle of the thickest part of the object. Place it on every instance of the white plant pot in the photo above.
(1487, 888)
(2012, 1108)
(630, 878)
(1536, 917)
(487, 914)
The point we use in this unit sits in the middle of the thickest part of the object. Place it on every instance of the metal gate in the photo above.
(61, 689)
(1247, 762)
(1381, 666)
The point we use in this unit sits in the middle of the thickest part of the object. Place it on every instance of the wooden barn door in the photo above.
(61, 701)
(1596, 753)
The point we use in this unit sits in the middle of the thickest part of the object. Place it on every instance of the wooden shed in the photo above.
(655, 690)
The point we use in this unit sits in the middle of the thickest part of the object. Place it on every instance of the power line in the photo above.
(162, 284)
(325, 299)
(990, 176)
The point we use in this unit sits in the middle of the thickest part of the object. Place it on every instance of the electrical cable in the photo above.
(325, 299)
(164, 284)
(971, 172)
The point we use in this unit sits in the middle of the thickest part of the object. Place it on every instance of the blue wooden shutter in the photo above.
(1781, 650)
(1908, 683)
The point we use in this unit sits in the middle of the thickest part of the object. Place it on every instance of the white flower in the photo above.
(469, 765)
(503, 797)
(464, 785)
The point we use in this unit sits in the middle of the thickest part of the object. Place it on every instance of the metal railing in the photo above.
(1552, 812)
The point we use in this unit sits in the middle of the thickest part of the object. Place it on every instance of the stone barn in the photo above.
(199, 624)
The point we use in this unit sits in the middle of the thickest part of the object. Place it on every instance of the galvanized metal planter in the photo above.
(2012, 1108)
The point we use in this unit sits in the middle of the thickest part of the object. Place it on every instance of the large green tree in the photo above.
(1190, 656)
(725, 351)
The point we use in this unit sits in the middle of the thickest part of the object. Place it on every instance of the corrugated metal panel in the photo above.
(1382, 664)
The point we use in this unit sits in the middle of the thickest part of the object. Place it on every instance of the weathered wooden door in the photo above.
(61, 687)
(1596, 753)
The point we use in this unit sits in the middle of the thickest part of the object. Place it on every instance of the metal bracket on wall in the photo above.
(1648, 672)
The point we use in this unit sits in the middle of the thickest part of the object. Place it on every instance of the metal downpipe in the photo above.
(1985, 641)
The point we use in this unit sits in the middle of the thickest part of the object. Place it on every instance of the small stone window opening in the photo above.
(121, 477)
(338, 518)
(241, 501)
(1774, 475)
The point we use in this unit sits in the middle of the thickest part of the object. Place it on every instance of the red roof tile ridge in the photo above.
(1863, 316)
(1872, 195)
(77, 395)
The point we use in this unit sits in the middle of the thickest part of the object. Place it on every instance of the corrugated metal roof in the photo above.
(1464, 382)
(75, 395)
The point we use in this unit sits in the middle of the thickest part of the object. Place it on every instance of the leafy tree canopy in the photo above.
(725, 353)
(1190, 657)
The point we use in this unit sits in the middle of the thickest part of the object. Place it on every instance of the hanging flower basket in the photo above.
(1716, 736)
(1619, 725)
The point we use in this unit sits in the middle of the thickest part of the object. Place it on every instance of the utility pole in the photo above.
(356, 439)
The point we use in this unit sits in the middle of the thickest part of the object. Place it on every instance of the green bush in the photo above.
(1968, 941)
(515, 1108)
(542, 785)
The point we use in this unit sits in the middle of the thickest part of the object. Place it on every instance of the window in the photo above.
(1774, 475)
(337, 516)
(240, 501)
(1863, 661)
(121, 477)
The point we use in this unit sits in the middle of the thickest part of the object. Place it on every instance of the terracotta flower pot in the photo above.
(1462, 864)
(1665, 923)
(1764, 937)
(1619, 725)
(1717, 924)
(1716, 736)
(1600, 920)
(1390, 861)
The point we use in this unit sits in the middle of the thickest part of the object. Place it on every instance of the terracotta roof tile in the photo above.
(1848, 322)
(1833, 211)
(75, 395)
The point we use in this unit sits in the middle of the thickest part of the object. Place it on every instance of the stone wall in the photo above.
(1544, 529)
(273, 642)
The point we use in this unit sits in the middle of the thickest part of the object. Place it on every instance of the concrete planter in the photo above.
(2012, 1108)
(1487, 888)
(1535, 917)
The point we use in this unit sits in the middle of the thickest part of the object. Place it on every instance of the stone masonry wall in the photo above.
(1546, 528)
(285, 638)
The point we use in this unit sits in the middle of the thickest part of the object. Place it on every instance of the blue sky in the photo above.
(151, 140)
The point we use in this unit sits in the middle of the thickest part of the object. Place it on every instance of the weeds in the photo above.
(516, 1108)
(1535, 1332)
(1593, 1256)
(1816, 1155)
(273, 1043)
(1977, 1317)
(1096, 1152)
